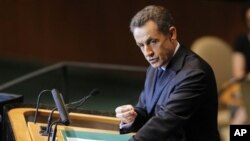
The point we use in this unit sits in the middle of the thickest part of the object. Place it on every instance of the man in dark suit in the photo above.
(179, 100)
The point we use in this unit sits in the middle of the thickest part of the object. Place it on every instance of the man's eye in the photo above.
(153, 41)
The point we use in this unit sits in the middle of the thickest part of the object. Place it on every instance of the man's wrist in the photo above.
(125, 125)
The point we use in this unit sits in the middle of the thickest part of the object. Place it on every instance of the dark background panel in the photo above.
(98, 30)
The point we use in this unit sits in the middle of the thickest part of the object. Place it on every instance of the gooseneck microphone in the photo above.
(77, 104)
(60, 105)
(70, 107)
(64, 116)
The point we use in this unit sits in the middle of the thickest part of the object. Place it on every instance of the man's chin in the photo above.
(155, 65)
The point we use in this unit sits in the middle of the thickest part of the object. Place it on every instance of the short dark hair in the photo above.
(158, 14)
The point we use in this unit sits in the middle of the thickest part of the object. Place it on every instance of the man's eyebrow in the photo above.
(149, 39)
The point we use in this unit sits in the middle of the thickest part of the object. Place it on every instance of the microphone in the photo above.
(45, 130)
(61, 107)
(78, 103)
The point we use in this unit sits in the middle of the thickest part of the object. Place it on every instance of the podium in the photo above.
(24, 129)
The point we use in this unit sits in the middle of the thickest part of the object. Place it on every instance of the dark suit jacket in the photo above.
(182, 106)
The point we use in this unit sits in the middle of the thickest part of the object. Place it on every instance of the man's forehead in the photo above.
(142, 37)
(149, 29)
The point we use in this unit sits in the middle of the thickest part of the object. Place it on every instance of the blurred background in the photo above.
(36, 34)
(46, 32)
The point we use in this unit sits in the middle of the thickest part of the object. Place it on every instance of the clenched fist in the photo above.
(126, 113)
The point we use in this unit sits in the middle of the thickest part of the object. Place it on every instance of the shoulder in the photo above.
(192, 61)
(193, 64)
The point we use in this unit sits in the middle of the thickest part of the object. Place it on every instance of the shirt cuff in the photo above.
(125, 125)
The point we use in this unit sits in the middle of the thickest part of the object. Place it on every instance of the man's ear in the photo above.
(173, 33)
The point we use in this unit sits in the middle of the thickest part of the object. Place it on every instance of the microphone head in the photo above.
(58, 98)
(94, 92)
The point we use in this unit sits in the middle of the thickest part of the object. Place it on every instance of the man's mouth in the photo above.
(153, 60)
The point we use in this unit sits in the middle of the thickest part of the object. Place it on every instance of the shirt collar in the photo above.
(163, 67)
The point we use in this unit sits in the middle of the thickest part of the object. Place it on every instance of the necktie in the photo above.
(159, 73)
(158, 78)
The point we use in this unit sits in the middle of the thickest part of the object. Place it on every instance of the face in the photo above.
(158, 48)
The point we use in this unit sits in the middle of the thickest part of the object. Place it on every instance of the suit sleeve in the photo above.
(140, 120)
(182, 103)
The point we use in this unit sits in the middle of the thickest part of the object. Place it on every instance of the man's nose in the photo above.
(148, 51)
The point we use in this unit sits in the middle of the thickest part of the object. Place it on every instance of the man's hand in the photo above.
(126, 113)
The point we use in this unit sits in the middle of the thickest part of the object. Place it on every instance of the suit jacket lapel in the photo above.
(161, 85)
(173, 67)
(151, 88)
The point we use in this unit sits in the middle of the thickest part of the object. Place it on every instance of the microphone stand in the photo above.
(44, 131)
(38, 102)
(55, 130)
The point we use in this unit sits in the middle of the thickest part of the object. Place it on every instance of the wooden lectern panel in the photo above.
(21, 120)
